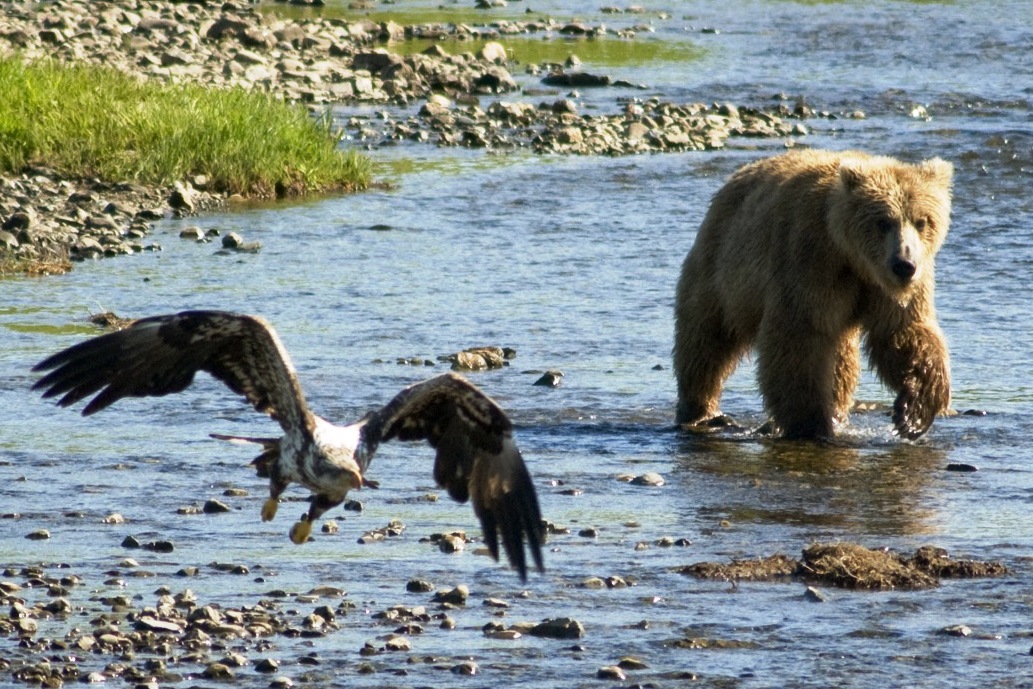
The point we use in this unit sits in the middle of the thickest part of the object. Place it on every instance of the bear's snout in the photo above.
(903, 268)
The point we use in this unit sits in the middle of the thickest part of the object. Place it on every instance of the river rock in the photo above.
(455, 596)
(558, 628)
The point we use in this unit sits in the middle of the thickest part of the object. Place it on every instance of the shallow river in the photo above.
(572, 262)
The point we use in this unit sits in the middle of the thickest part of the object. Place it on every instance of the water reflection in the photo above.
(878, 488)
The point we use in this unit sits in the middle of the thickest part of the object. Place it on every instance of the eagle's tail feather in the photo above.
(270, 451)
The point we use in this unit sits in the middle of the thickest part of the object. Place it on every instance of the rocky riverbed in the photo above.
(468, 99)
(63, 634)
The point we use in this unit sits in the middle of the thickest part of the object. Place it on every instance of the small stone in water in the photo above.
(398, 643)
(814, 595)
(419, 586)
(611, 672)
(450, 543)
(267, 665)
(456, 596)
(630, 663)
(961, 466)
(558, 628)
(218, 671)
(38, 535)
(215, 507)
(648, 479)
(956, 630)
(549, 379)
(465, 668)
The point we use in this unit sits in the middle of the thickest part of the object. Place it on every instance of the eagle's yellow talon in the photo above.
(269, 509)
(300, 531)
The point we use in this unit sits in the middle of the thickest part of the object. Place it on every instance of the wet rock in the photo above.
(455, 596)
(814, 595)
(956, 630)
(267, 665)
(152, 624)
(576, 79)
(549, 379)
(218, 671)
(648, 479)
(558, 628)
(467, 667)
(419, 586)
(235, 242)
(493, 51)
(158, 546)
(611, 672)
(183, 198)
(631, 663)
(38, 535)
(451, 543)
(215, 507)
(398, 643)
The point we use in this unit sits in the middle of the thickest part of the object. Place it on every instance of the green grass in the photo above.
(89, 121)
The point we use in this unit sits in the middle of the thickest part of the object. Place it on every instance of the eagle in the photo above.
(477, 458)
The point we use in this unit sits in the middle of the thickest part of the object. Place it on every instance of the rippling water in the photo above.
(573, 261)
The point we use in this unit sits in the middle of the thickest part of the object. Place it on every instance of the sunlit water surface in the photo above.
(572, 262)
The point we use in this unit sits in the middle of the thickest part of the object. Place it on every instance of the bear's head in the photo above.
(890, 218)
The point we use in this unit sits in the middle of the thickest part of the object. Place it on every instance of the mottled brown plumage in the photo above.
(476, 458)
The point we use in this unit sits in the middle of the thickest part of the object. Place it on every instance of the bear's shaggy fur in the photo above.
(798, 256)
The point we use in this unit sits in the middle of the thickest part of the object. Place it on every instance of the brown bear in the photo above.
(798, 256)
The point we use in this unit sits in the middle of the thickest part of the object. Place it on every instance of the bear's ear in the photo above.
(937, 170)
(852, 173)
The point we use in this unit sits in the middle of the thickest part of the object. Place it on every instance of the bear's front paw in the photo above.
(911, 417)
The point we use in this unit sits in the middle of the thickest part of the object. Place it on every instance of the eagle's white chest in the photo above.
(326, 465)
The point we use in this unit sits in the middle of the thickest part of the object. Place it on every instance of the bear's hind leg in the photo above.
(705, 354)
(797, 379)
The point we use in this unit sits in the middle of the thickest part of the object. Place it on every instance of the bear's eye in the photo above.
(886, 224)
(921, 224)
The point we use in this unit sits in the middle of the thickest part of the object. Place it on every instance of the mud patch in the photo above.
(852, 566)
(772, 568)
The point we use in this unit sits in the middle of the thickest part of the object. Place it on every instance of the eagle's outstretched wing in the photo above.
(476, 458)
(160, 355)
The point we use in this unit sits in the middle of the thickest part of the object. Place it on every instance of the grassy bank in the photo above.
(87, 121)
